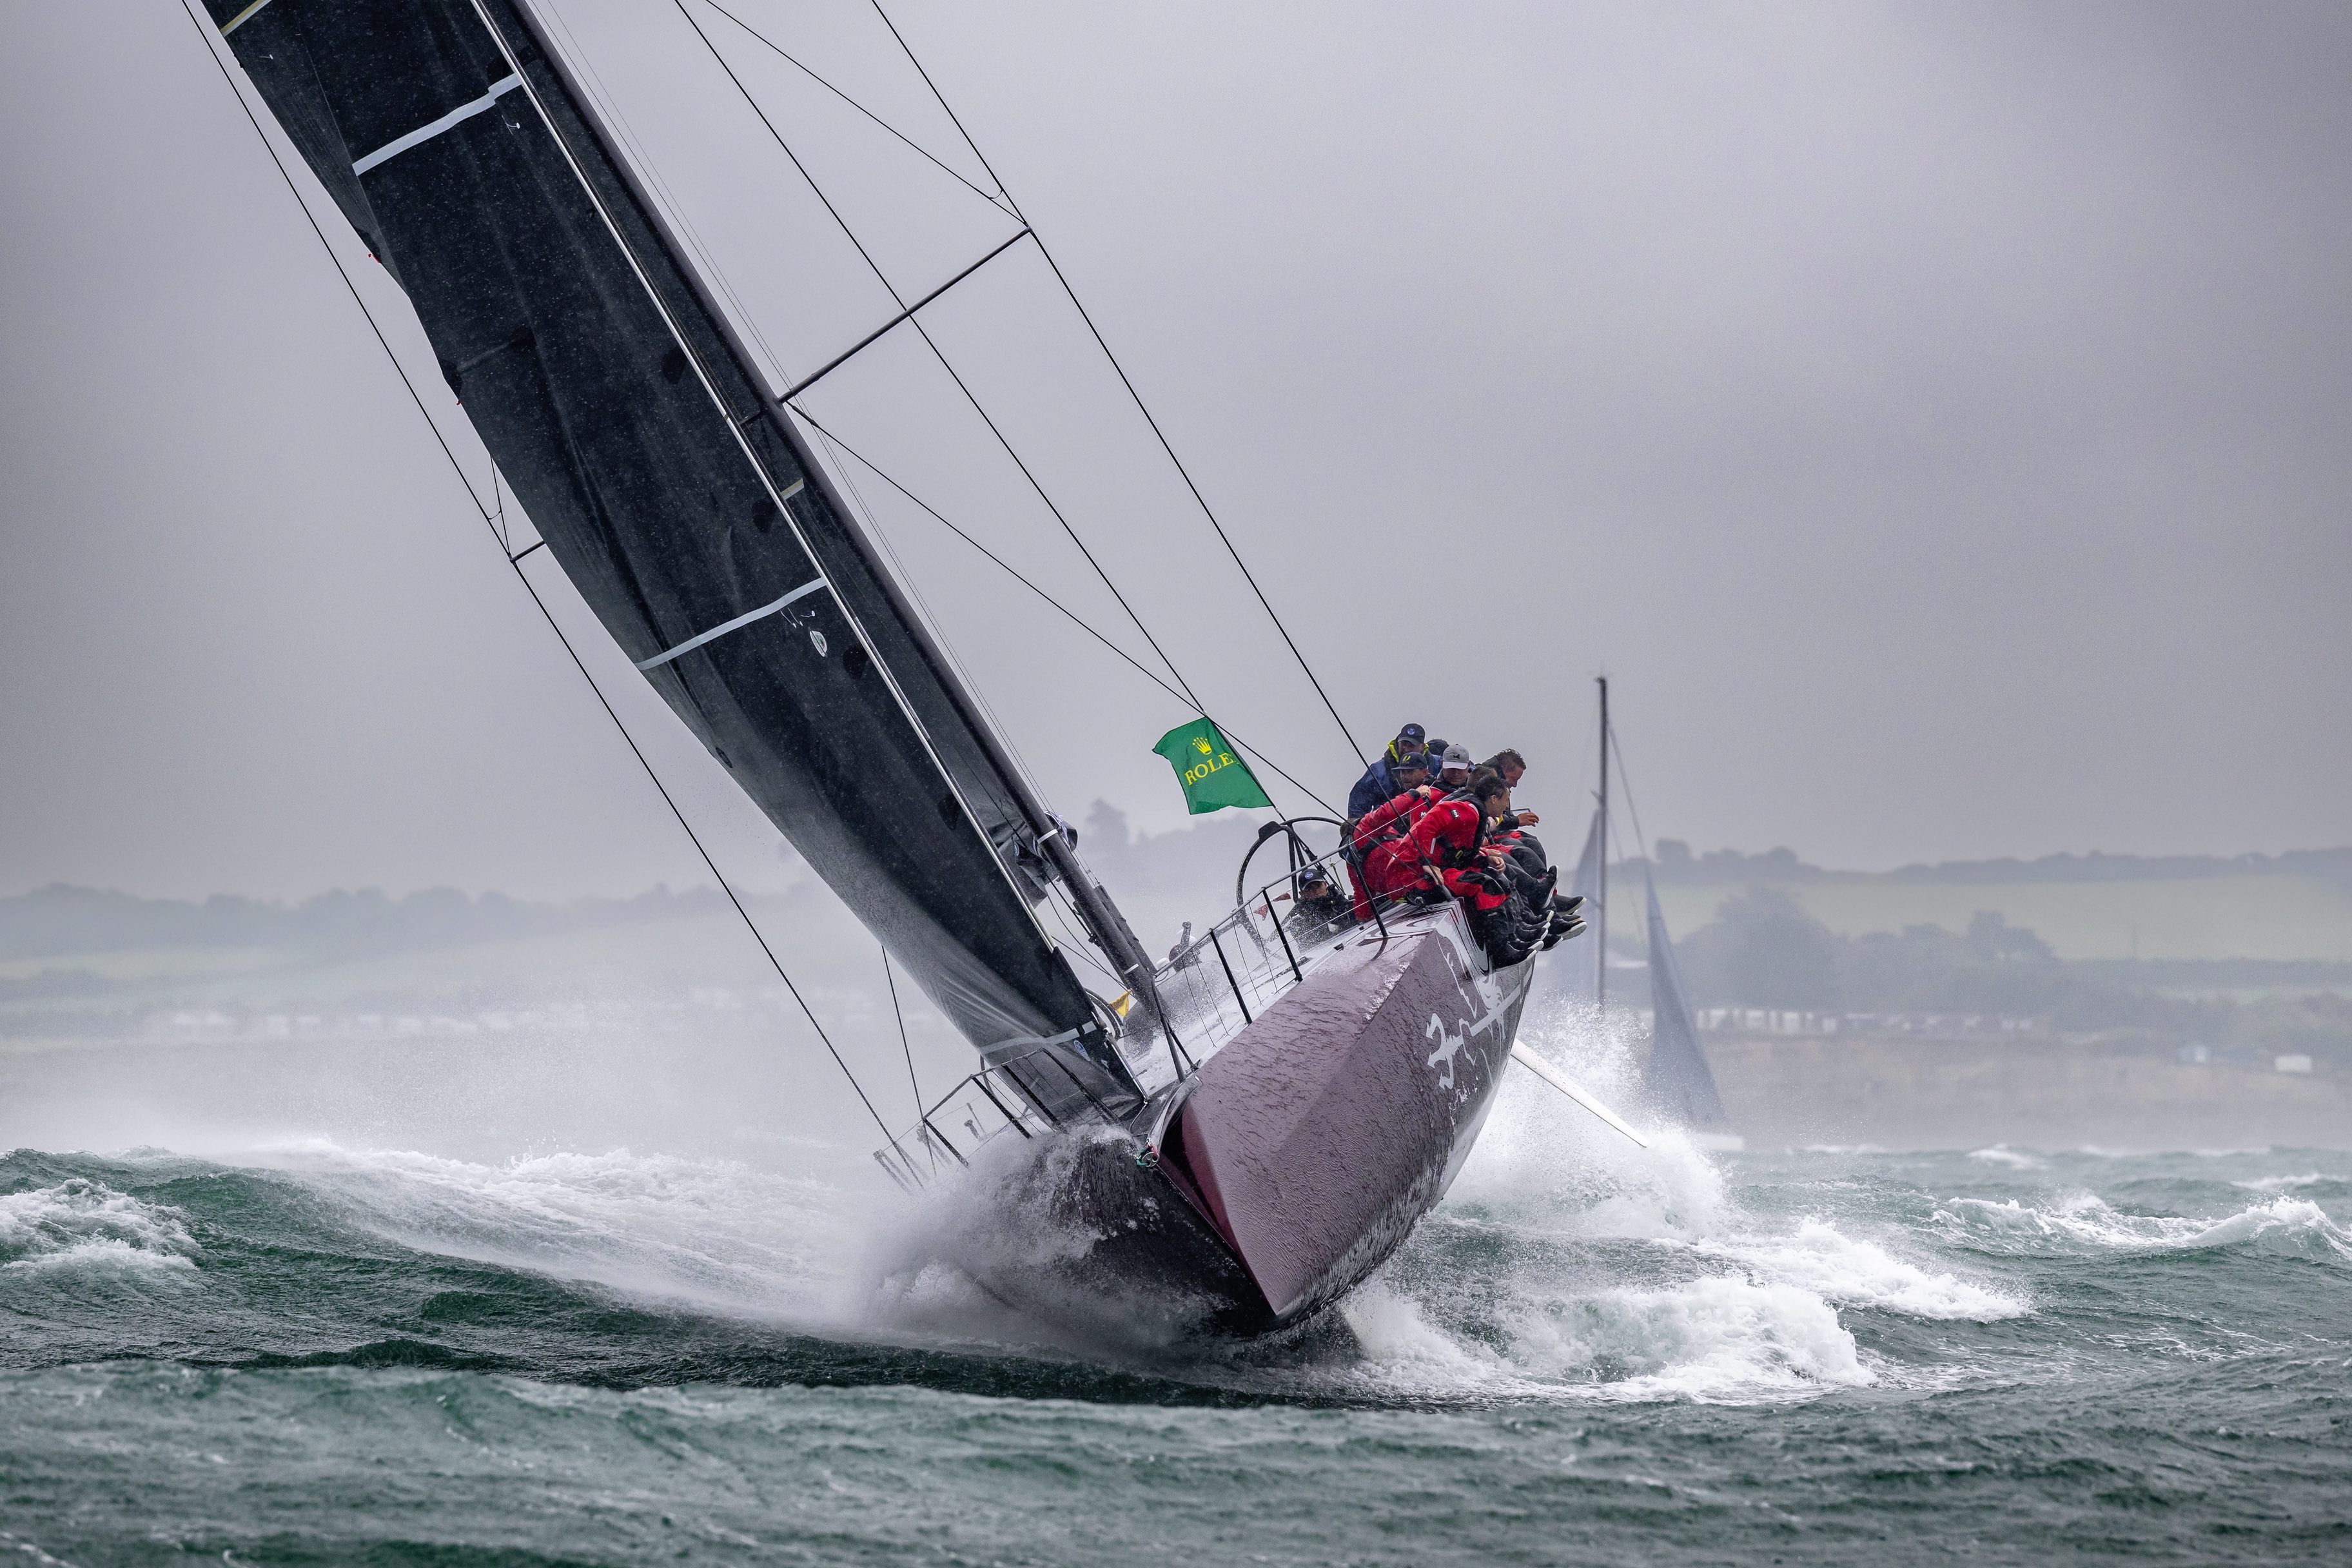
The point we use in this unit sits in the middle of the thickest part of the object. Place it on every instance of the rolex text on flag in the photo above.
(1211, 771)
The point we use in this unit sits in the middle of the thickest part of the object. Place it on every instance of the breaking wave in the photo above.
(710, 1234)
(80, 1224)
(2087, 1222)
(1852, 1272)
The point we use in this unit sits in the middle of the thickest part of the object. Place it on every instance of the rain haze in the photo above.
(1934, 421)
(1910, 1111)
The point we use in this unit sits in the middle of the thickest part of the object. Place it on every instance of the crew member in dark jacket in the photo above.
(1384, 780)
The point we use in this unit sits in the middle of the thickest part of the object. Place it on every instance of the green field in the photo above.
(2260, 917)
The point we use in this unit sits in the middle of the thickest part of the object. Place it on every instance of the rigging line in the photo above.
(778, 136)
(591, 83)
(953, 374)
(1140, 407)
(529, 587)
(941, 99)
(899, 1014)
(1014, 573)
(914, 591)
(1617, 747)
(997, 201)
(296, 191)
(870, 339)
(696, 839)
(1062, 913)
(882, 540)
(899, 299)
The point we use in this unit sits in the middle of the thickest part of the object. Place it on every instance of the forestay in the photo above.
(653, 462)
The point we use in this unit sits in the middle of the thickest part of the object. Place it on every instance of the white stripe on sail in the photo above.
(424, 134)
(690, 644)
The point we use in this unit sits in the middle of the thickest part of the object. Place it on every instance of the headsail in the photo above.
(1583, 978)
(658, 467)
(1678, 1082)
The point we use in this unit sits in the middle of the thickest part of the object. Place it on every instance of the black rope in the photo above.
(1011, 571)
(520, 576)
(1141, 407)
(775, 48)
(899, 299)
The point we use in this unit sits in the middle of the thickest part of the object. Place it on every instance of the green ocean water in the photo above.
(315, 1352)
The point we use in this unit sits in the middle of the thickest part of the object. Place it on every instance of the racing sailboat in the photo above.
(1262, 1120)
(1676, 1083)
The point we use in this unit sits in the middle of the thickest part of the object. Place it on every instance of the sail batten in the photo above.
(647, 451)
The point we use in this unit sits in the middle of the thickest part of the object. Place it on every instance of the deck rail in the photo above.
(1210, 989)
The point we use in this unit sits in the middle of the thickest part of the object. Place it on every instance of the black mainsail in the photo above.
(678, 496)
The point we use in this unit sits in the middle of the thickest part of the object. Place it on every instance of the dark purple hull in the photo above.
(1314, 1140)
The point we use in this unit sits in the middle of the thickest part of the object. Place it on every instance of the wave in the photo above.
(710, 1234)
(2311, 1183)
(79, 1224)
(2003, 1155)
(1852, 1272)
(2087, 1222)
(1716, 1340)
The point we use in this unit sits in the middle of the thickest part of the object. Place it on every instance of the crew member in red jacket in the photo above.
(1389, 821)
(1443, 849)
(1393, 818)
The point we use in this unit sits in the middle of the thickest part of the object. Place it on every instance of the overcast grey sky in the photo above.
(1934, 417)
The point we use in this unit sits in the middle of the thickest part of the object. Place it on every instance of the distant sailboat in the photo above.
(1676, 1079)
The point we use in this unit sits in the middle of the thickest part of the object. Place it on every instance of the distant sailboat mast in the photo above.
(1601, 863)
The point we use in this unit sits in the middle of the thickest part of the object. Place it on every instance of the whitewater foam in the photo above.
(1541, 1155)
(83, 1223)
(1852, 1272)
(1717, 1339)
(2089, 1221)
(1549, 1201)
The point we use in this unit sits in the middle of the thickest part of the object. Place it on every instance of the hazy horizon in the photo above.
(766, 881)
(1934, 421)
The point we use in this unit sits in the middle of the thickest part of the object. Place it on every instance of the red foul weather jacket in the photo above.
(1393, 818)
(1443, 837)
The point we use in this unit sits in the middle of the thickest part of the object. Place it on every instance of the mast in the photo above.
(1100, 917)
(1600, 895)
(665, 481)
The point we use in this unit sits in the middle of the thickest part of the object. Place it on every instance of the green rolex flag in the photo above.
(1211, 771)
